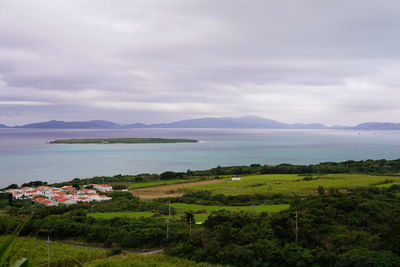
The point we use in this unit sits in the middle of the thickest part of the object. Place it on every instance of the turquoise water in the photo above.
(25, 154)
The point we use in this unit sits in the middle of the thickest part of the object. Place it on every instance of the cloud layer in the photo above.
(158, 61)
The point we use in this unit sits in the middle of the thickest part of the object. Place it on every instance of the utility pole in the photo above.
(48, 250)
(297, 228)
(190, 228)
(169, 214)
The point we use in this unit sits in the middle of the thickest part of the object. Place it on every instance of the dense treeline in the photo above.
(119, 178)
(351, 166)
(125, 232)
(208, 198)
(358, 229)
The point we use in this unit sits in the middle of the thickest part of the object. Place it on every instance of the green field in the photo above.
(199, 217)
(206, 210)
(291, 183)
(129, 214)
(60, 254)
(146, 261)
(122, 141)
(387, 185)
(161, 182)
(209, 209)
(36, 251)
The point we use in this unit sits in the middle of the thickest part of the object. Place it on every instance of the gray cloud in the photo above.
(154, 61)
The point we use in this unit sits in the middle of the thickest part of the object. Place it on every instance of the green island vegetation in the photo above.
(127, 214)
(40, 253)
(294, 184)
(347, 214)
(133, 259)
(256, 208)
(372, 167)
(386, 185)
(160, 183)
(122, 141)
(201, 212)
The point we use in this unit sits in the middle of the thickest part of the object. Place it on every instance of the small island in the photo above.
(122, 141)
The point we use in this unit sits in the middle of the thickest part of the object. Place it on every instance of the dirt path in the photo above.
(167, 190)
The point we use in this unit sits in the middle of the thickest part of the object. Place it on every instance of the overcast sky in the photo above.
(334, 62)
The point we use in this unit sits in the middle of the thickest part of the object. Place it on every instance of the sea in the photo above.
(26, 155)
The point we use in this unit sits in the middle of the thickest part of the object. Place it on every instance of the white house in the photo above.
(17, 195)
(98, 197)
(45, 201)
(52, 196)
(102, 187)
(86, 191)
(67, 201)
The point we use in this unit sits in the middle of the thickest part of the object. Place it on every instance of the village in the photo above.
(66, 195)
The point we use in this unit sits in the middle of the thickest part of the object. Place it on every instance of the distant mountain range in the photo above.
(378, 126)
(247, 122)
(72, 125)
(243, 122)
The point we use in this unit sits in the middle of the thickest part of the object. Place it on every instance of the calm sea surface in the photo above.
(25, 154)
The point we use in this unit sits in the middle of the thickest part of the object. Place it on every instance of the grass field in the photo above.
(138, 260)
(291, 183)
(159, 183)
(129, 214)
(199, 217)
(202, 217)
(387, 185)
(60, 254)
(209, 209)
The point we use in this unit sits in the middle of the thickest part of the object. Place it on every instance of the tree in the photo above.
(34, 184)
(188, 217)
(368, 258)
(321, 190)
(119, 186)
(295, 255)
(12, 186)
(170, 175)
